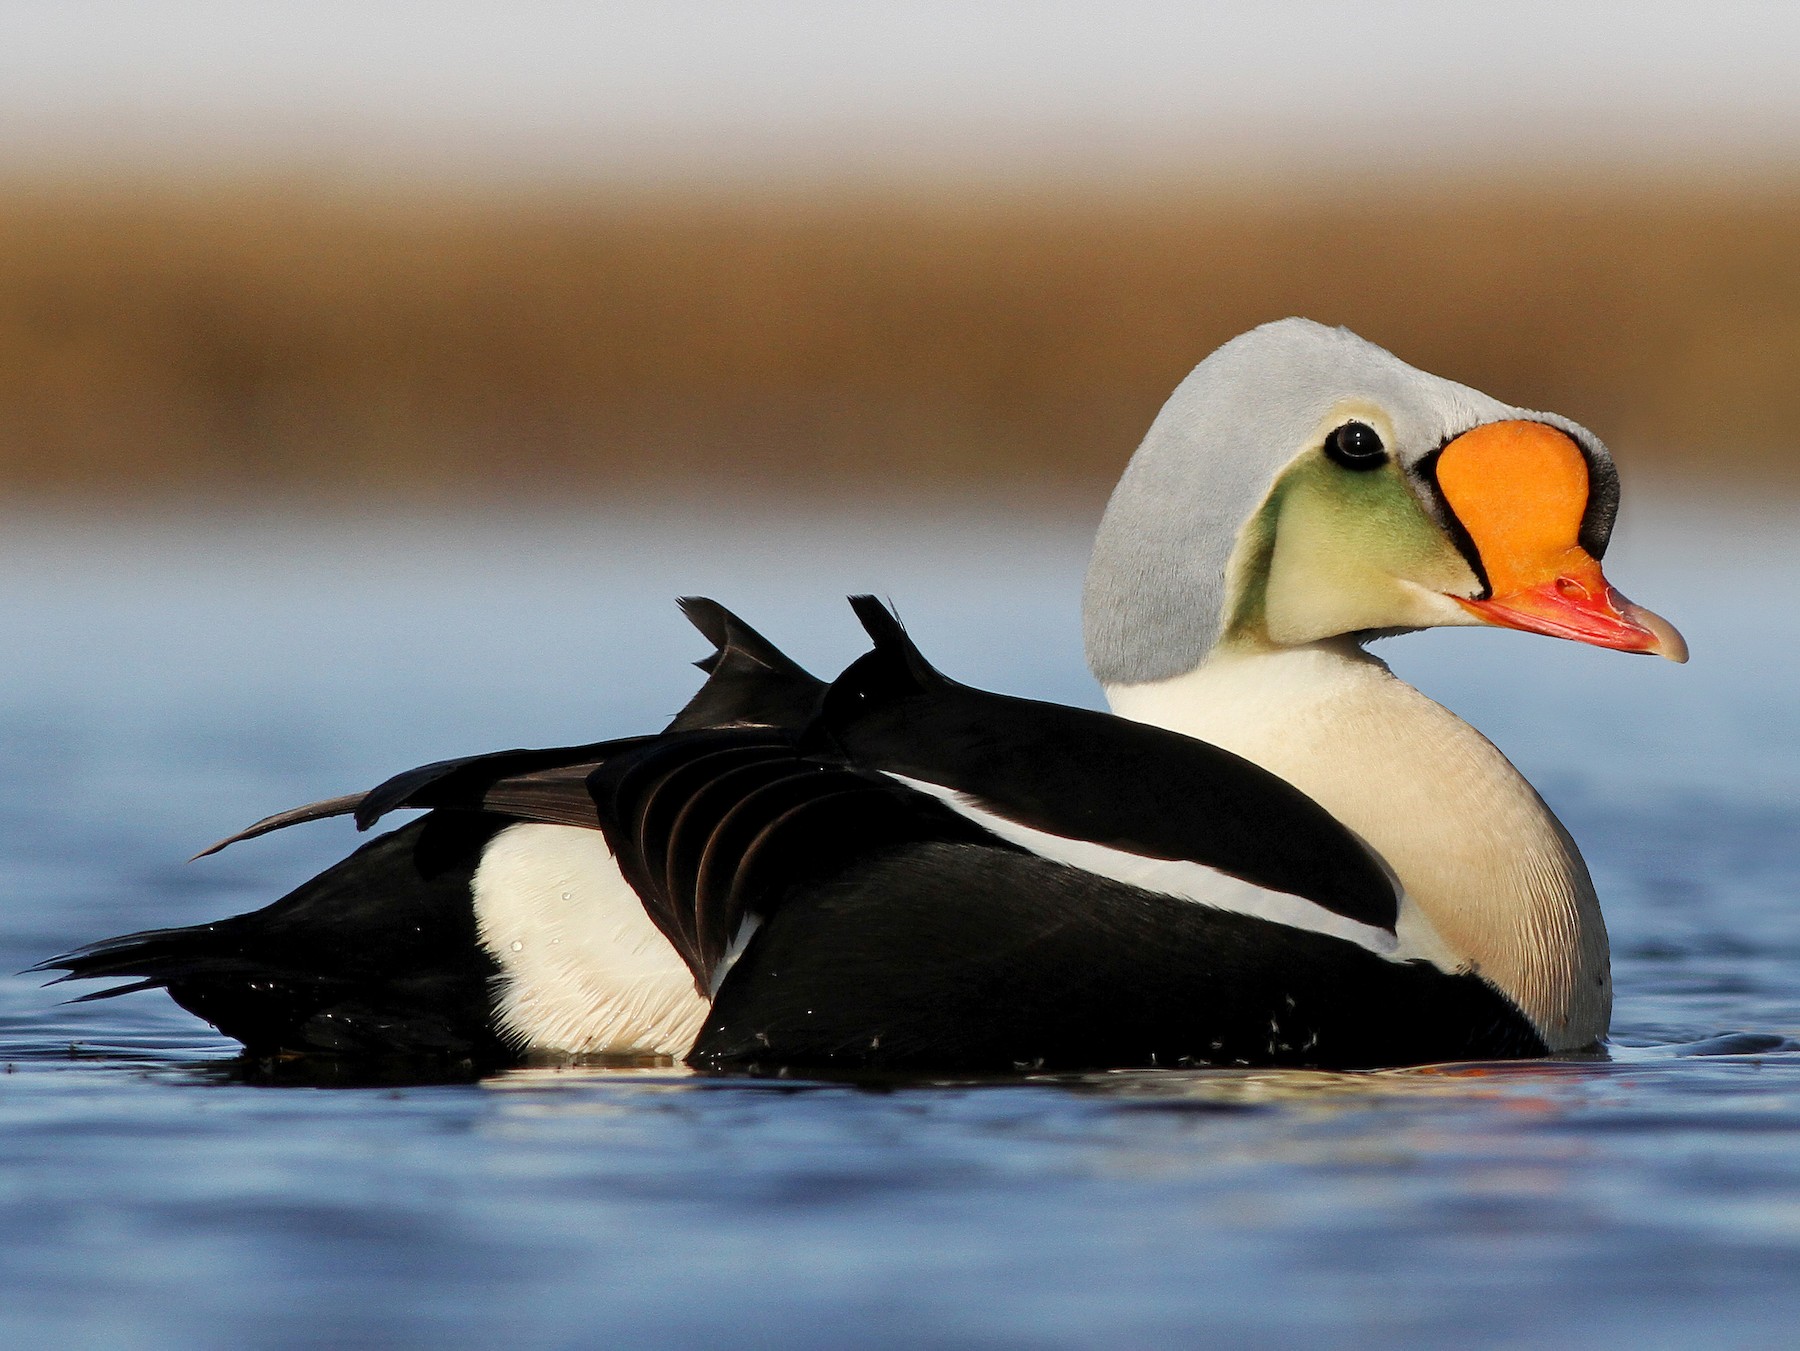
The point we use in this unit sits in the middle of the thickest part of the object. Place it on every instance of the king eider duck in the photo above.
(1271, 852)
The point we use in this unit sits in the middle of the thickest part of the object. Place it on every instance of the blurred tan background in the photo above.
(438, 252)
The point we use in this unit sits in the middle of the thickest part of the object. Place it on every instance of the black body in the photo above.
(1057, 969)
(893, 932)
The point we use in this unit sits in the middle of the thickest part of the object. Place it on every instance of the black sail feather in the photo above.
(750, 681)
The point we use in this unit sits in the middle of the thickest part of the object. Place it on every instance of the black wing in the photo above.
(714, 827)
(1092, 776)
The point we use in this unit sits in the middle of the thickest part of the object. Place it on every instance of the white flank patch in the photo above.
(1180, 878)
(584, 970)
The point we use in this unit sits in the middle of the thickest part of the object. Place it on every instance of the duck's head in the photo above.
(1303, 484)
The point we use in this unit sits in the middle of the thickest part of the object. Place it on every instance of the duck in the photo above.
(1271, 851)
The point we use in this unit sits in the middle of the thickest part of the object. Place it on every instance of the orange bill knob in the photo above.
(1520, 490)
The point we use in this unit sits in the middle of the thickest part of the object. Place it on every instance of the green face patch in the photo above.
(1334, 551)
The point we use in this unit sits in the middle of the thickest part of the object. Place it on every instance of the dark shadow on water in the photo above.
(1188, 1089)
(315, 1072)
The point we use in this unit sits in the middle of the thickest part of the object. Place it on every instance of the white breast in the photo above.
(1490, 867)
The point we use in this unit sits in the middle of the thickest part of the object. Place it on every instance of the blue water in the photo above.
(165, 682)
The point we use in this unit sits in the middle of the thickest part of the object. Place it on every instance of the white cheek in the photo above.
(584, 970)
(1310, 599)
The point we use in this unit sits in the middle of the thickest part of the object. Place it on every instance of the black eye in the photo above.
(1356, 445)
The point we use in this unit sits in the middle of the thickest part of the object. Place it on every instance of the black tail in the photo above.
(749, 681)
(375, 956)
